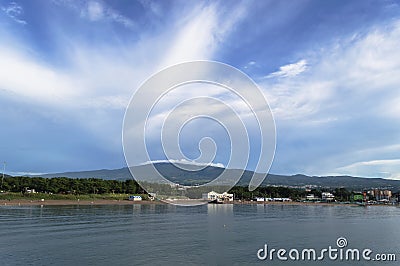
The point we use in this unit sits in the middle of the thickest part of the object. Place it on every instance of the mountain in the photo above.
(209, 173)
(115, 174)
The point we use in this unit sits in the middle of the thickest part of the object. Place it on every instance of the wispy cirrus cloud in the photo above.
(290, 70)
(361, 69)
(96, 10)
(15, 12)
(344, 104)
(153, 6)
(91, 71)
(334, 92)
(201, 33)
(90, 90)
(375, 168)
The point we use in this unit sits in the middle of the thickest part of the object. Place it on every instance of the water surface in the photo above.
(202, 235)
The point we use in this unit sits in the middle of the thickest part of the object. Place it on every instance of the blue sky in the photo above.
(330, 71)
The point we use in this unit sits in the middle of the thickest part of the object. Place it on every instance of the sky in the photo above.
(330, 71)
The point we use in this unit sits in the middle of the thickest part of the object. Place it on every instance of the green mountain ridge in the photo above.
(209, 173)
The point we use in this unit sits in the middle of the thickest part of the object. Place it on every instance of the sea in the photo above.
(226, 234)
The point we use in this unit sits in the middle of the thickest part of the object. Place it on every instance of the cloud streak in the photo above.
(290, 70)
(68, 74)
(14, 11)
(92, 87)
(344, 102)
(376, 168)
(97, 11)
(183, 161)
(201, 33)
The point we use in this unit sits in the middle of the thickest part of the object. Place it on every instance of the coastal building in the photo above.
(387, 194)
(218, 196)
(152, 196)
(379, 194)
(274, 199)
(310, 197)
(358, 197)
(328, 196)
(28, 190)
(281, 199)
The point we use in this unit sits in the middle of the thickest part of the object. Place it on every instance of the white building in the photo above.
(310, 197)
(328, 196)
(282, 199)
(33, 191)
(274, 199)
(218, 196)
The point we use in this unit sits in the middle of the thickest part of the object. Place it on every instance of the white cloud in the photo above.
(103, 75)
(90, 82)
(97, 11)
(344, 108)
(153, 6)
(23, 76)
(93, 10)
(358, 72)
(94, 84)
(290, 70)
(183, 161)
(197, 91)
(297, 100)
(376, 168)
(250, 65)
(201, 32)
(14, 11)
(25, 173)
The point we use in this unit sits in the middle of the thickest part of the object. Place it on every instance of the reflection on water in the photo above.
(152, 234)
(220, 209)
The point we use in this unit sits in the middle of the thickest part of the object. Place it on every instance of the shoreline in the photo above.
(16, 202)
(24, 202)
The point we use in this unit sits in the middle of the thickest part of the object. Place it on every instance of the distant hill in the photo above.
(183, 177)
(115, 174)
(5, 175)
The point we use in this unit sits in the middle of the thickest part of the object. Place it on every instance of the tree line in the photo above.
(243, 193)
(84, 186)
(64, 185)
(341, 194)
